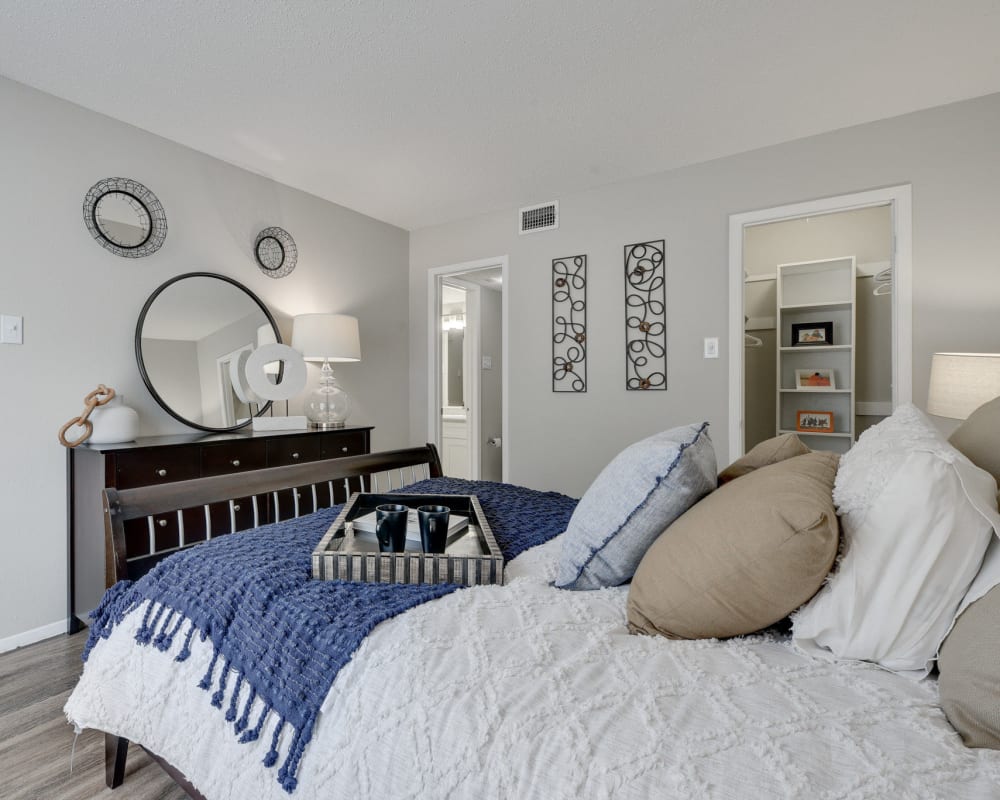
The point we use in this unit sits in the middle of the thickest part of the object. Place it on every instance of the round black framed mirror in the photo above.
(125, 217)
(191, 340)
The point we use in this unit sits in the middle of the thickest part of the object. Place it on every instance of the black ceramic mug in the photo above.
(433, 527)
(390, 527)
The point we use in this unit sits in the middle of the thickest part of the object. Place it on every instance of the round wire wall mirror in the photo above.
(125, 217)
(275, 252)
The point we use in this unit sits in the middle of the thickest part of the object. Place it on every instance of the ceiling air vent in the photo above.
(543, 217)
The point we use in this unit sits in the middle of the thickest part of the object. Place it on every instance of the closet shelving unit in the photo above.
(815, 292)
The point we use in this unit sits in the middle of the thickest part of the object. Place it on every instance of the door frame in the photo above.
(435, 275)
(900, 199)
(223, 379)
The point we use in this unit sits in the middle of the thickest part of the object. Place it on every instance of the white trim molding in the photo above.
(434, 350)
(34, 635)
(900, 200)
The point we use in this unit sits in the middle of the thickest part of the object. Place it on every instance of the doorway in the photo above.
(836, 273)
(467, 358)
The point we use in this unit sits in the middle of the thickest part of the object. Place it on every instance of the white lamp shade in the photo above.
(962, 382)
(327, 336)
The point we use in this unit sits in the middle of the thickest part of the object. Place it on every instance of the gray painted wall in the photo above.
(951, 155)
(80, 304)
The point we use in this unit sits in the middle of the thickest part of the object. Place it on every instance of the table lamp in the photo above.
(962, 382)
(327, 338)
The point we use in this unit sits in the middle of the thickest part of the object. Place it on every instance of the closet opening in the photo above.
(820, 319)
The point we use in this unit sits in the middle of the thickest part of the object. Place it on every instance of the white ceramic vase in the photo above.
(114, 422)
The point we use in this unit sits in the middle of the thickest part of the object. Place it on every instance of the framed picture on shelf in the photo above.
(815, 380)
(812, 334)
(814, 421)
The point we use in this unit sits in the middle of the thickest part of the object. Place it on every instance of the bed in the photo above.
(524, 690)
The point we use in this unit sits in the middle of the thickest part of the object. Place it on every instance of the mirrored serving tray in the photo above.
(472, 556)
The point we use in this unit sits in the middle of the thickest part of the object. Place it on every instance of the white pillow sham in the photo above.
(917, 517)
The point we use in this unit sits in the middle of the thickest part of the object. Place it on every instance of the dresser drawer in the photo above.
(292, 450)
(225, 459)
(164, 465)
(338, 445)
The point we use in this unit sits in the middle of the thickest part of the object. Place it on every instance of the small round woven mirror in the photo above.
(125, 217)
(275, 252)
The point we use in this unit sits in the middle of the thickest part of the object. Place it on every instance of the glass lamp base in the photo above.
(327, 406)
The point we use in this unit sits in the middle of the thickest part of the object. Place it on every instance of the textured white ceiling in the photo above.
(422, 112)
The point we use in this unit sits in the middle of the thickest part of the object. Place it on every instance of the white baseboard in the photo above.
(32, 636)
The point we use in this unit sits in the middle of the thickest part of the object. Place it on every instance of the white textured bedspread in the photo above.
(526, 691)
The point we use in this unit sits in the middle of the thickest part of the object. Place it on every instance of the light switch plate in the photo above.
(712, 347)
(487, 362)
(11, 329)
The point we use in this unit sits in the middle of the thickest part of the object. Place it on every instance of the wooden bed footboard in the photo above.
(329, 482)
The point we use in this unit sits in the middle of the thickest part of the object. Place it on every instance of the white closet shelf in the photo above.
(813, 348)
(807, 293)
(818, 306)
(816, 391)
(835, 434)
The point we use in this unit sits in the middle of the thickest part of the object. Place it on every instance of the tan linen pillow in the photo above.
(768, 452)
(744, 557)
(969, 664)
(978, 438)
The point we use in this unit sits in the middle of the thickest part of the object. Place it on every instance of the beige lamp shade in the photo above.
(322, 337)
(962, 382)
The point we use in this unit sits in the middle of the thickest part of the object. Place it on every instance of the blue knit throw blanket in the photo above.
(282, 634)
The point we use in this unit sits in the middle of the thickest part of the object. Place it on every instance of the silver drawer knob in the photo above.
(235, 462)
(343, 449)
(162, 523)
(236, 507)
(295, 455)
(162, 473)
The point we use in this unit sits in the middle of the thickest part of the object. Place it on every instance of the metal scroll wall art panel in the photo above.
(569, 324)
(645, 316)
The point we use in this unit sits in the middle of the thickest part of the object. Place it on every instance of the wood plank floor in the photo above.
(36, 739)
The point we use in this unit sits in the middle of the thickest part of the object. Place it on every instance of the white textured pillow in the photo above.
(917, 517)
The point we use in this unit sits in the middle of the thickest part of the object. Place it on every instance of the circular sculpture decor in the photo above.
(293, 378)
(125, 217)
(275, 252)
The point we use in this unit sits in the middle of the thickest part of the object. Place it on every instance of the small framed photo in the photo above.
(812, 334)
(814, 421)
(815, 380)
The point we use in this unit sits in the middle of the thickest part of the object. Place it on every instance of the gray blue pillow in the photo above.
(642, 491)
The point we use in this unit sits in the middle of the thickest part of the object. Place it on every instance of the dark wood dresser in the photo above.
(166, 459)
